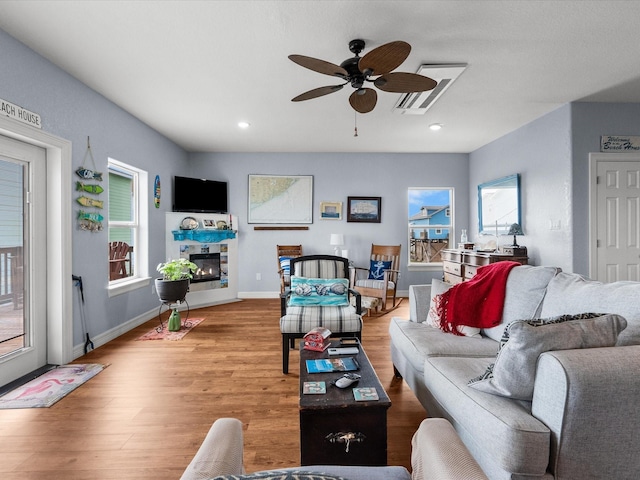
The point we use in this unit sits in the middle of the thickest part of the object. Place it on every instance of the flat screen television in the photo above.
(199, 195)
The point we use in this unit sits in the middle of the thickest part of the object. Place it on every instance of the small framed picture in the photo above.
(364, 209)
(331, 210)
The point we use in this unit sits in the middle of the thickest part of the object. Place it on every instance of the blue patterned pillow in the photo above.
(319, 291)
(377, 269)
(285, 265)
(280, 475)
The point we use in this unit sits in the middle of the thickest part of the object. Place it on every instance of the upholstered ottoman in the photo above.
(368, 303)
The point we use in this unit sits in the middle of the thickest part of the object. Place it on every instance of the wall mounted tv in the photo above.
(199, 195)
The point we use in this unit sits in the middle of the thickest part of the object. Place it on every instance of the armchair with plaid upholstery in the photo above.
(318, 297)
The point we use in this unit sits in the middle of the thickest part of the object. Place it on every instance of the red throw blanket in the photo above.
(476, 303)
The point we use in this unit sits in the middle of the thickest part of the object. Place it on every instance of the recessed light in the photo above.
(243, 124)
(435, 126)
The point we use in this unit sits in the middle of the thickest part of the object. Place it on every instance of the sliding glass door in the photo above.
(22, 259)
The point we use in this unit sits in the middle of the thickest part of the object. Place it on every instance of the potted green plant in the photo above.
(173, 286)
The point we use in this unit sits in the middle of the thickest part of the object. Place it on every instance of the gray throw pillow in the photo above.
(513, 373)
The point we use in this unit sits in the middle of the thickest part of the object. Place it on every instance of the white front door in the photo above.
(615, 216)
(23, 259)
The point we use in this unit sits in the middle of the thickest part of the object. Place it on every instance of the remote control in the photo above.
(343, 351)
(347, 379)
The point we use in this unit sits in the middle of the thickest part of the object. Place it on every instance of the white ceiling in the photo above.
(193, 69)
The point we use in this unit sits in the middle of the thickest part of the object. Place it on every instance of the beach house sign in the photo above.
(619, 143)
(21, 114)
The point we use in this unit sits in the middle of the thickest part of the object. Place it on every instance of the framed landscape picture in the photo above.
(364, 209)
(280, 199)
(331, 210)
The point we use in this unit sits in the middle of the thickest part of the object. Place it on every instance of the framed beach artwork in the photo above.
(331, 210)
(280, 199)
(364, 209)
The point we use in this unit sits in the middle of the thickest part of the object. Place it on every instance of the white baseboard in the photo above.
(259, 294)
(105, 337)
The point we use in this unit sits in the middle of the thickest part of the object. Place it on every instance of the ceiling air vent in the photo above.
(418, 103)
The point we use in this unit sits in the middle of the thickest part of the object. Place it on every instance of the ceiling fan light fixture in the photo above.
(244, 125)
(357, 70)
(435, 127)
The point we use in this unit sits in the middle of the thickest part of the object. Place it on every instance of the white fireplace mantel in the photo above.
(180, 243)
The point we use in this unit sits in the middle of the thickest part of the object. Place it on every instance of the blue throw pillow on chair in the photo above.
(319, 291)
(377, 269)
(285, 265)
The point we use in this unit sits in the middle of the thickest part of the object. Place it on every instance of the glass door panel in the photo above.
(23, 259)
(12, 318)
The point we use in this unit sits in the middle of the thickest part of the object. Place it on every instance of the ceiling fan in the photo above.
(379, 63)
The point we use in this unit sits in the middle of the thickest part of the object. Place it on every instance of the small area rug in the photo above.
(51, 386)
(167, 335)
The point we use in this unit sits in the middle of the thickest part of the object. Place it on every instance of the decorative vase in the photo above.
(174, 323)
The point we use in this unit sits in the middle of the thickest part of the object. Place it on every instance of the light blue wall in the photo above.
(72, 111)
(589, 122)
(540, 152)
(552, 156)
(336, 176)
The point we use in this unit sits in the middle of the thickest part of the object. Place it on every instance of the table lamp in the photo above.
(336, 240)
(515, 229)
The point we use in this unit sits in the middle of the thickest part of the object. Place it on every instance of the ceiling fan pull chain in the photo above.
(355, 123)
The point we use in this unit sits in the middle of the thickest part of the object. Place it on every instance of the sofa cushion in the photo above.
(340, 319)
(514, 371)
(417, 341)
(572, 293)
(497, 430)
(319, 291)
(526, 287)
(438, 287)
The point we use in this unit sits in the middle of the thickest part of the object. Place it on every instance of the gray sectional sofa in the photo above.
(583, 418)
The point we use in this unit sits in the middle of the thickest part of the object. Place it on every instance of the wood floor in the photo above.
(145, 415)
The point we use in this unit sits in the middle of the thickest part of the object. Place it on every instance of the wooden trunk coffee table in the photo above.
(335, 429)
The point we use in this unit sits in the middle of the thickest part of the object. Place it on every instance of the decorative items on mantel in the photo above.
(203, 235)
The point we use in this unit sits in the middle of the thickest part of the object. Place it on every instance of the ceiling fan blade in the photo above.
(385, 58)
(363, 100)
(319, 66)
(400, 82)
(317, 92)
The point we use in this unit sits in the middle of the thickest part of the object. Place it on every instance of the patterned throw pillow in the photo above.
(285, 265)
(377, 269)
(523, 341)
(280, 475)
(319, 291)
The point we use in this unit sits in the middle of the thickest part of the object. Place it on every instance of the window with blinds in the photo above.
(123, 220)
